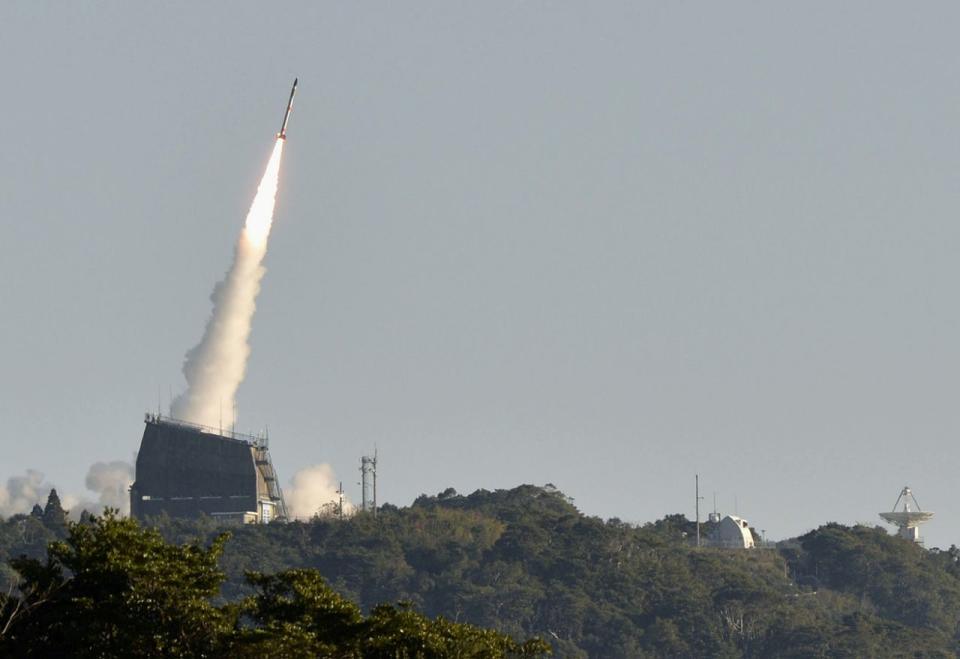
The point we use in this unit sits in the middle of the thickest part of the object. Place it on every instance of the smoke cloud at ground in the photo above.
(312, 491)
(110, 481)
(21, 493)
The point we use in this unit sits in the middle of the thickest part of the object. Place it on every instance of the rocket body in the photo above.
(286, 115)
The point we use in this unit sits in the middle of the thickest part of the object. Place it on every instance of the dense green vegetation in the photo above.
(114, 589)
(526, 563)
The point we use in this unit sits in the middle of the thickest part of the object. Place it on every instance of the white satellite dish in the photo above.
(909, 518)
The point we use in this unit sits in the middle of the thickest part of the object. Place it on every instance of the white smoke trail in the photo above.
(215, 367)
(313, 491)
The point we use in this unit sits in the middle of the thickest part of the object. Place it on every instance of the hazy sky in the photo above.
(604, 245)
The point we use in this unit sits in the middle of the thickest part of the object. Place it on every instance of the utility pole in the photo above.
(699, 498)
(340, 506)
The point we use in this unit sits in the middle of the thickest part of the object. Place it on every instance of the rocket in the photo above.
(286, 115)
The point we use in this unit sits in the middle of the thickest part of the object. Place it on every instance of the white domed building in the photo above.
(732, 532)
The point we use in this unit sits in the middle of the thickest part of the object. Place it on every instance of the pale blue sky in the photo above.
(603, 245)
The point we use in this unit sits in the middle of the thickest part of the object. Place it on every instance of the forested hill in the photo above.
(526, 562)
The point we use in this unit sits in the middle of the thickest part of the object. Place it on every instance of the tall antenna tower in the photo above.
(909, 518)
(368, 482)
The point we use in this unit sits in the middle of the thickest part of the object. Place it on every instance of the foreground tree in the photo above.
(295, 613)
(114, 589)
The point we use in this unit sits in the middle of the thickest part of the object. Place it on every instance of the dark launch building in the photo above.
(185, 470)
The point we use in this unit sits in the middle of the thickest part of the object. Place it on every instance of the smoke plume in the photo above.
(313, 491)
(215, 367)
(111, 481)
(23, 492)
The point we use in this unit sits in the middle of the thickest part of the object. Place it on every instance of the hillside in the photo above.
(526, 562)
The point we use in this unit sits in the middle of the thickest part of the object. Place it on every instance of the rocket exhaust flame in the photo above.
(260, 216)
(216, 366)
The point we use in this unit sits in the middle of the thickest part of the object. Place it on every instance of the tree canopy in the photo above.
(525, 563)
(114, 589)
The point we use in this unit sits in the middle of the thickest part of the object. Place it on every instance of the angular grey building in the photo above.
(186, 470)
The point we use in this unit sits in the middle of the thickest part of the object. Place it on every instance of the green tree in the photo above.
(114, 589)
(53, 513)
(295, 613)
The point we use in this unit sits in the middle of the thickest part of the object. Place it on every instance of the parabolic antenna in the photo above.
(909, 517)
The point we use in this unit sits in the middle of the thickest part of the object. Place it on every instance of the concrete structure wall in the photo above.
(185, 471)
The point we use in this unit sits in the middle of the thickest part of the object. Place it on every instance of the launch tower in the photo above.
(185, 470)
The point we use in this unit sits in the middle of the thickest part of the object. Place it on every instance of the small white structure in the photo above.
(732, 532)
(909, 518)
